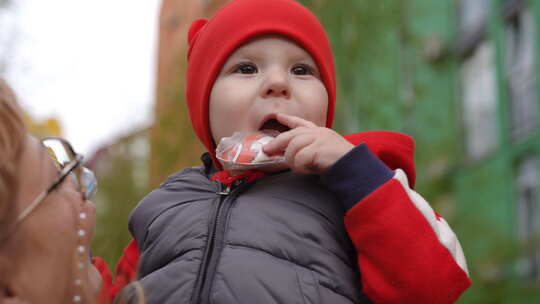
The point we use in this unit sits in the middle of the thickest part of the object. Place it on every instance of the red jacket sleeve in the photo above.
(126, 269)
(406, 252)
(106, 279)
(126, 272)
(400, 257)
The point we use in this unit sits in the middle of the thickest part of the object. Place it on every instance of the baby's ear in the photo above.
(194, 30)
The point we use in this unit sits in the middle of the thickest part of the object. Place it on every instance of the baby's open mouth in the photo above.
(273, 124)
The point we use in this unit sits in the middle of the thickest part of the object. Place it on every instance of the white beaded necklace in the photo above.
(81, 255)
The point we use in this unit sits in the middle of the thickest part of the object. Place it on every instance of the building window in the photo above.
(479, 101)
(528, 213)
(140, 154)
(472, 15)
(519, 46)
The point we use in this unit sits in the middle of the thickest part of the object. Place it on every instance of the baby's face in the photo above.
(266, 76)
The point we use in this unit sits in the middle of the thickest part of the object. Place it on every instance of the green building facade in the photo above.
(460, 77)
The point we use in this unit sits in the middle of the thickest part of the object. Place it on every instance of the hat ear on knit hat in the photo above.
(212, 41)
(194, 31)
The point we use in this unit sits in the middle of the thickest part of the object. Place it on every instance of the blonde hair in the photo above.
(12, 140)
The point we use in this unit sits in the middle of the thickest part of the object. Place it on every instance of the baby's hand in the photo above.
(308, 148)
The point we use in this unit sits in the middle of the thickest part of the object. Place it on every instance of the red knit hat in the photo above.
(212, 41)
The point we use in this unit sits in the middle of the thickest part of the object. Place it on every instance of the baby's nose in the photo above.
(277, 85)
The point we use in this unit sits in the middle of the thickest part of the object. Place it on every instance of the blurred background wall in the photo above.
(460, 76)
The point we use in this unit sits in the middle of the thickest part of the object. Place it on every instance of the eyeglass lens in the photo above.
(63, 154)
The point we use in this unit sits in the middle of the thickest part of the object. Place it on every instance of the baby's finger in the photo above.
(304, 160)
(294, 121)
(281, 142)
(296, 144)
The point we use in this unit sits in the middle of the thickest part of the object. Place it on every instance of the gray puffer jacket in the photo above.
(280, 239)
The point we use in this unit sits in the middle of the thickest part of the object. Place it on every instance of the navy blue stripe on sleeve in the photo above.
(356, 175)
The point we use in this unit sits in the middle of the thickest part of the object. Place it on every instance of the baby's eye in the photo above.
(301, 70)
(246, 68)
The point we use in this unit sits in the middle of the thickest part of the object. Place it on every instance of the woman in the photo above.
(46, 219)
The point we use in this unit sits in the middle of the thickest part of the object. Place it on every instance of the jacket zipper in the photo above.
(210, 258)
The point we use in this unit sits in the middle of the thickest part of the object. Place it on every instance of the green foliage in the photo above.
(173, 141)
(385, 81)
(120, 189)
(493, 256)
(365, 38)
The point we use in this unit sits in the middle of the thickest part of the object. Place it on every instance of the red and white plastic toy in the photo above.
(244, 151)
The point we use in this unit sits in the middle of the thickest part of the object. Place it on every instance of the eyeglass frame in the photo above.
(65, 172)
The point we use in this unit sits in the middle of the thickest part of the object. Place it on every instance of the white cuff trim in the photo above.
(443, 231)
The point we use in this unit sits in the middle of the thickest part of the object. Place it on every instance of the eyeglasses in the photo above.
(69, 164)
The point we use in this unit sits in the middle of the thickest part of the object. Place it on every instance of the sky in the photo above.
(90, 64)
